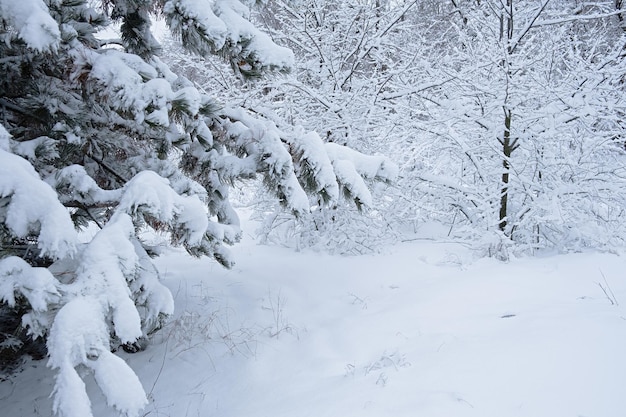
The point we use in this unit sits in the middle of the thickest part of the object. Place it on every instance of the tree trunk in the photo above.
(508, 147)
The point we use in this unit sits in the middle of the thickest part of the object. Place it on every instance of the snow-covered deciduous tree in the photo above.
(506, 117)
(100, 132)
(529, 120)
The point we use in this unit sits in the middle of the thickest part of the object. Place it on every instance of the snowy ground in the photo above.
(420, 330)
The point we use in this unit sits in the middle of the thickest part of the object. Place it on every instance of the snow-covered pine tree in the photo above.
(344, 52)
(100, 132)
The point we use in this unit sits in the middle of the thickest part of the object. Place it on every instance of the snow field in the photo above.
(419, 330)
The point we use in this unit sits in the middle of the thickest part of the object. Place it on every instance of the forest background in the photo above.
(345, 126)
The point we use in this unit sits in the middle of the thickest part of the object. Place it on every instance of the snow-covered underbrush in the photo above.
(421, 328)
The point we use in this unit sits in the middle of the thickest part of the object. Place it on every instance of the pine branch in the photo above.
(11, 106)
(108, 168)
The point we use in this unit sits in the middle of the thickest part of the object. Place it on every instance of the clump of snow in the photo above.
(351, 168)
(80, 185)
(150, 194)
(70, 396)
(106, 264)
(262, 139)
(5, 138)
(78, 333)
(314, 154)
(157, 93)
(235, 15)
(190, 98)
(348, 176)
(36, 284)
(130, 83)
(28, 149)
(33, 207)
(152, 298)
(32, 20)
(79, 336)
(118, 382)
(369, 166)
(200, 13)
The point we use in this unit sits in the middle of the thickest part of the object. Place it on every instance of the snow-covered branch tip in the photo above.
(34, 208)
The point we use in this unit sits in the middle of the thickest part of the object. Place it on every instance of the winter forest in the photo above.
(152, 145)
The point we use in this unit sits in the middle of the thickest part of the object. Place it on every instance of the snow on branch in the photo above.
(149, 199)
(74, 185)
(5, 139)
(297, 163)
(255, 43)
(131, 84)
(576, 18)
(197, 24)
(113, 289)
(352, 168)
(119, 383)
(79, 333)
(154, 97)
(36, 284)
(223, 27)
(33, 207)
(316, 167)
(148, 194)
(32, 20)
(261, 139)
(106, 266)
(70, 394)
(79, 336)
(375, 167)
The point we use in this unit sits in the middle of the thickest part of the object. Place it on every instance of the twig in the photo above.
(161, 368)
(609, 294)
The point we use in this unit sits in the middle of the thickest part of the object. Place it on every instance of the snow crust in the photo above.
(421, 329)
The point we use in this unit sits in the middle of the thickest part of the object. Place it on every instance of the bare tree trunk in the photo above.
(508, 145)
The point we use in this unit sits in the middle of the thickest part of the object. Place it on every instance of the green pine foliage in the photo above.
(102, 134)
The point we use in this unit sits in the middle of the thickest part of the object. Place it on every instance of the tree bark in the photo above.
(508, 146)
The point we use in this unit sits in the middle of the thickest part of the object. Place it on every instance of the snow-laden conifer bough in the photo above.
(94, 134)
